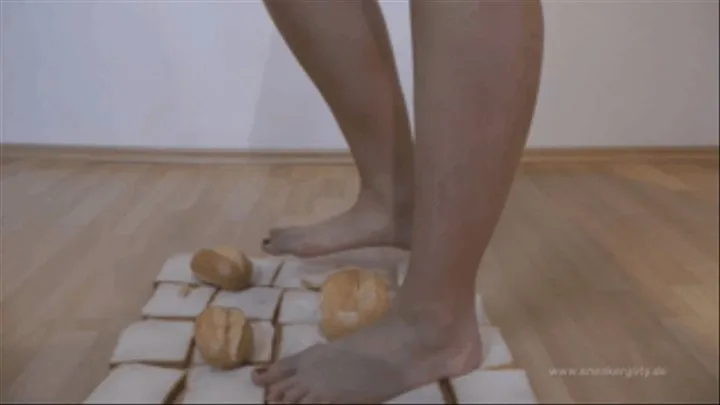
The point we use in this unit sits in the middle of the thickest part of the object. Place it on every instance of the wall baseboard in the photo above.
(531, 156)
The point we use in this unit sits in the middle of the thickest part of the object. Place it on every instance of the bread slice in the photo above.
(263, 335)
(291, 274)
(173, 301)
(496, 353)
(258, 303)
(300, 307)
(264, 270)
(177, 270)
(137, 384)
(296, 338)
(155, 342)
(494, 387)
(207, 385)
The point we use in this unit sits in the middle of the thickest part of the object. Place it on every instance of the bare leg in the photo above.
(344, 48)
(477, 75)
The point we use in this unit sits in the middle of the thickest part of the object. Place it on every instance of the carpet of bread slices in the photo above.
(155, 360)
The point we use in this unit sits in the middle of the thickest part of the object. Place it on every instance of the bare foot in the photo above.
(375, 364)
(369, 223)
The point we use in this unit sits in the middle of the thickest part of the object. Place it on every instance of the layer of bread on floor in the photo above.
(494, 387)
(156, 342)
(167, 343)
(177, 270)
(172, 300)
(427, 394)
(296, 338)
(496, 353)
(206, 385)
(258, 303)
(263, 335)
(137, 383)
(300, 307)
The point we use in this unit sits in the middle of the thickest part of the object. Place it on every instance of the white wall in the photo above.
(217, 75)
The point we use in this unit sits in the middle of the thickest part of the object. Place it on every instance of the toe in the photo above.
(273, 374)
(268, 246)
(277, 391)
(273, 244)
(295, 394)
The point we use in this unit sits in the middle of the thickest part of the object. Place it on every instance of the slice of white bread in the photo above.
(178, 301)
(290, 275)
(263, 335)
(494, 387)
(496, 352)
(156, 342)
(177, 270)
(264, 270)
(137, 384)
(258, 303)
(296, 338)
(300, 307)
(207, 385)
(427, 394)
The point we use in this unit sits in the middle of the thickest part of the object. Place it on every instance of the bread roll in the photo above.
(224, 337)
(224, 267)
(352, 299)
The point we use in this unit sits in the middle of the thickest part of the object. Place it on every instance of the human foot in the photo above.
(375, 364)
(369, 223)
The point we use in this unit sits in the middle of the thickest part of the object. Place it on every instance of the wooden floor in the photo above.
(591, 266)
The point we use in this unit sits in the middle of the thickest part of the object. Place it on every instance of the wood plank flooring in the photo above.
(601, 267)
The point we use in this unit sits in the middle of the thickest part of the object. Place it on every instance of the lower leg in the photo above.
(473, 116)
(472, 121)
(345, 49)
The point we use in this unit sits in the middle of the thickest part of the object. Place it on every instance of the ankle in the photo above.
(396, 205)
(390, 193)
(451, 344)
(439, 327)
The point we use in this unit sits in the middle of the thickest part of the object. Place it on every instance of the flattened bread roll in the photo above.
(352, 299)
(224, 337)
